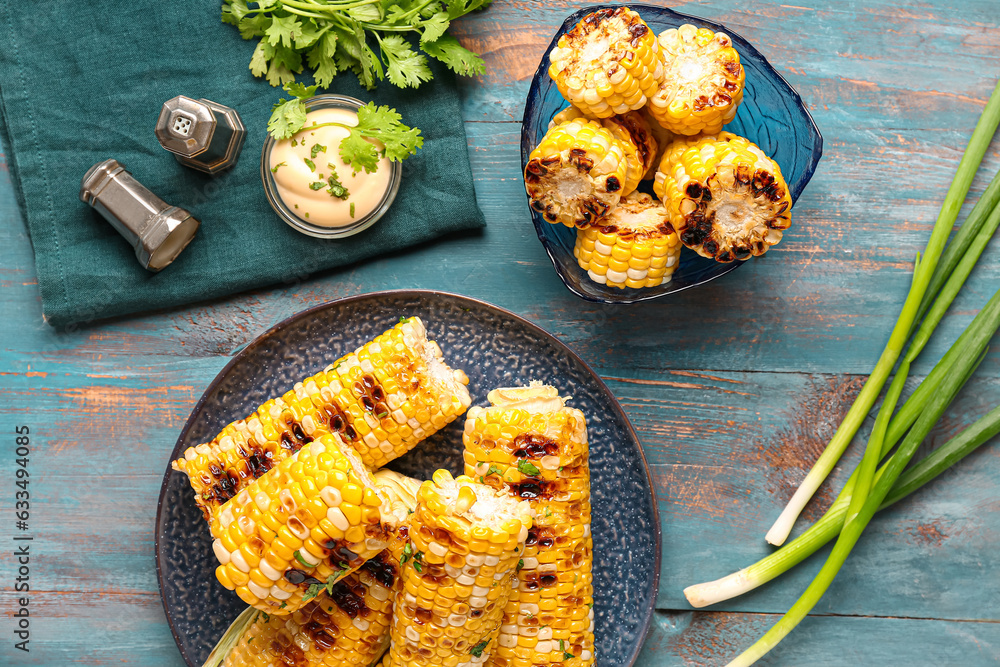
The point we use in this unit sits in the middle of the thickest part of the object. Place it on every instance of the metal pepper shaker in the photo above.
(157, 231)
(201, 134)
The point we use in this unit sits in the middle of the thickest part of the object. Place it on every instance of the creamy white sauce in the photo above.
(294, 175)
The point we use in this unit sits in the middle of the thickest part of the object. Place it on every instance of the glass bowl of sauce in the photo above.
(312, 189)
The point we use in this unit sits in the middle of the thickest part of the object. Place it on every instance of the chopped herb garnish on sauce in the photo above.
(318, 185)
(352, 209)
(317, 149)
(336, 188)
(274, 169)
(310, 164)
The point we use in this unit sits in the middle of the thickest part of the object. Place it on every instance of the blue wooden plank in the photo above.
(799, 308)
(699, 639)
(733, 388)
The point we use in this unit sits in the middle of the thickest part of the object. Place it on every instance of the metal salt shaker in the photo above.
(201, 134)
(157, 231)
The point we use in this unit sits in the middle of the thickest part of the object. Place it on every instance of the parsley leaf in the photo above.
(358, 149)
(317, 185)
(317, 149)
(404, 66)
(283, 30)
(494, 470)
(478, 649)
(434, 27)
(384, 125)
(337, 39)
(458, 58)
(309, 163)
(528, 468)
(288, 116)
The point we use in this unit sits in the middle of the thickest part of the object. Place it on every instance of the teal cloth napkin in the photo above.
(81, 82)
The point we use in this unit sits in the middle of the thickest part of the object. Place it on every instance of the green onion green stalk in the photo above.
(971, 159)
(793, 553)
(851, 532)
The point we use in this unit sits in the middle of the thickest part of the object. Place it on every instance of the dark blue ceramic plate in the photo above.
(772, 116)
(495, 348)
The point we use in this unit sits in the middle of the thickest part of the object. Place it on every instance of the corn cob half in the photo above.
(465, 543)
(382, 399)
(347, 624)
(727, 200)
(576, 173)
(310, 521)
(529, 443)
(703, 80)
(635, 247)
(608, 63)
(633, 130)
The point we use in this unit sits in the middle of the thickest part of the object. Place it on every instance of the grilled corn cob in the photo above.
(465, 543)
(307, 523)
(381, 399)
(576, 173)
(344, 626)
(635, 133)
(609, 63)
(347, 626)
(635, 247)
(727, 200)
(702, 83)
(530, 443)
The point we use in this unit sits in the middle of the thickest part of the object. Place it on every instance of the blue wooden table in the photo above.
(734, 388)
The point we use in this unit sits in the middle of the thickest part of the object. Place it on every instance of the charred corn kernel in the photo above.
(247, 549)
(576, 173)
(702, 83)
(399, 381)
(621, 252)
(549, 616)
(457, 570)
(609, 63)
(727, 200)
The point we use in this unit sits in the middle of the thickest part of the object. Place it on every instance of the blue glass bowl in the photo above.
(772, 116)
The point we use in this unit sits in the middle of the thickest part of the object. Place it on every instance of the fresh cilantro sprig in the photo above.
(360, 148)
(367, 39)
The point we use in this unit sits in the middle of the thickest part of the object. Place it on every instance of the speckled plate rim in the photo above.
(526, 142)
(402, 294)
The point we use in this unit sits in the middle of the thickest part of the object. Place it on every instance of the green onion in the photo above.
(959, 188)
(851, 532)
(958, 245)
(793, 553)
